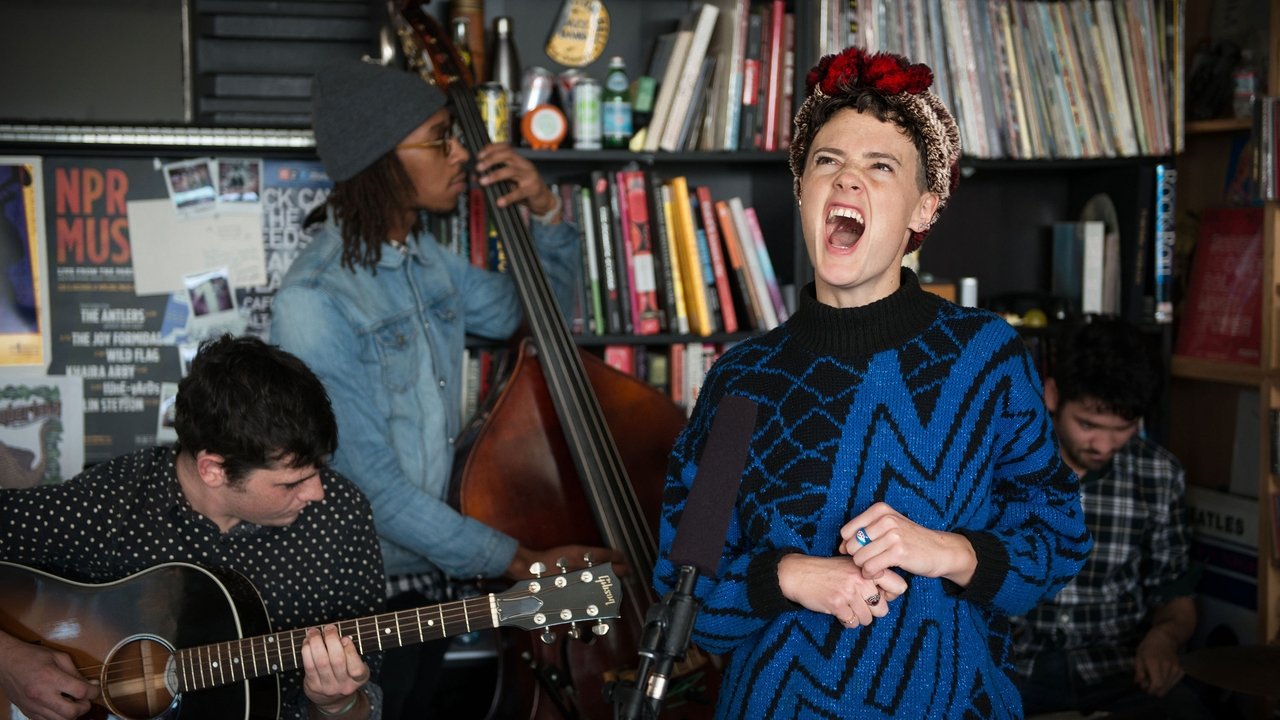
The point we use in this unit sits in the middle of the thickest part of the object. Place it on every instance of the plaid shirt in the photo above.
(1140, 560)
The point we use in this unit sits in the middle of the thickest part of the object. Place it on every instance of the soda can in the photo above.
(536, 88)
(587, 130)
(565, 82)
(492, 99)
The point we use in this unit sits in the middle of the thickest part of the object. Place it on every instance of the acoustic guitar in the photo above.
(181, 642)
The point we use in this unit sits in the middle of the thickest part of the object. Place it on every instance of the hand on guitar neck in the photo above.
(43, 683)
(46, 684)
(572, 556)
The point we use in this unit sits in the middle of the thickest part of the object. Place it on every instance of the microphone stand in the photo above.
(667, 630)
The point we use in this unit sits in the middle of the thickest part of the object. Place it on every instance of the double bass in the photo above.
(545, 453)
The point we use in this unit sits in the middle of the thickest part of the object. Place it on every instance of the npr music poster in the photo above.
(100, 330)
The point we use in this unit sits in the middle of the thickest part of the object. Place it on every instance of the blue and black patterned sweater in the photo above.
(932, 408)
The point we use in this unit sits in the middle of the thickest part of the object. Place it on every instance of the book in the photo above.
(686, 138)
(706, 208)
(646, 316)
(702, 22)
(1079, 251)
(1221, 316)
(591, 263)
(766, 264)
(708, 276)
(768, 313)
(729, 44)
(602, 207)
(737, 263)
(772, 81)
(663, 259)
(673, 253)
(621, 357)
(752, 72)
(1165, 237)
(685, 243)
(667, 86)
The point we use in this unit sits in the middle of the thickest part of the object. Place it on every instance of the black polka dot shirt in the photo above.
(129, 514)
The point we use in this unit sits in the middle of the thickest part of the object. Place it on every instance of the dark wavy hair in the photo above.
(1106, 360)
(364, 206)
(256, 406)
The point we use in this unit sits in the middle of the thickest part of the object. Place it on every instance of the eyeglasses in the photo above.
(445, 143)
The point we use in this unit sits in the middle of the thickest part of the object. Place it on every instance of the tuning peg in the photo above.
(600, 628)
(574, 632)
(562, 562)
(586, 558)
(547, 637)
(537, 569)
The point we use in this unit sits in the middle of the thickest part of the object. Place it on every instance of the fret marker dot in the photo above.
(215, 663)
(431, 623)
(387, 631)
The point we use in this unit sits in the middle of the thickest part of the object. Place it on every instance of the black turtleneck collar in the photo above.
(866, 330)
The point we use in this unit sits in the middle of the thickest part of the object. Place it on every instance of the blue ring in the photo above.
(862, 537)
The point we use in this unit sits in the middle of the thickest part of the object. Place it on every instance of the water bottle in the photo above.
(504, 66)
(617, 105)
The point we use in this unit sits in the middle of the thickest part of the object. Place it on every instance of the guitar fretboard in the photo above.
(221, 663)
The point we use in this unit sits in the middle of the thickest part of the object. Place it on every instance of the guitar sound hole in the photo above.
(133, 680)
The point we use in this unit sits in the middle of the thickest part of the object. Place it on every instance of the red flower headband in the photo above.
(888, 73)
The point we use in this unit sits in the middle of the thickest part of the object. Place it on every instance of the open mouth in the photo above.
(845, 227)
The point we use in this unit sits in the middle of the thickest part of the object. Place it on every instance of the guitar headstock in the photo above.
(591, 595)
(428, 48)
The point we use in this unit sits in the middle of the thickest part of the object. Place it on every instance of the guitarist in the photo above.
(379, 308)
(245, 488)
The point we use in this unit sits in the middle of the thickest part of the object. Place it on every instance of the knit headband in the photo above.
(905, 88)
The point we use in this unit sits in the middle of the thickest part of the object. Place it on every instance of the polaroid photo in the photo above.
(191, 186)
(166, 430)
(213, 305)
(186, 354)
(239, 180)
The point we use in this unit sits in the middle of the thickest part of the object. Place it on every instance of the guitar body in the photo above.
(122, 634)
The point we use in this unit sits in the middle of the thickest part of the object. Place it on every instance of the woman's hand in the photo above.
(893, 541)
(836, 586)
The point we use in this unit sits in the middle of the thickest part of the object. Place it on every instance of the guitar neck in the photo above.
(236, 660)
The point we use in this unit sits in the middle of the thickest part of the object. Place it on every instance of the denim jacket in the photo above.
(389, 348)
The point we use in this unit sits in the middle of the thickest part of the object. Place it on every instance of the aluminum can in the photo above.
(491, 97)
(536, 88)
(587, 131)
(565, 83)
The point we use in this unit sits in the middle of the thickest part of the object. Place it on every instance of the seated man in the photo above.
(1110, 639)
(245, 489)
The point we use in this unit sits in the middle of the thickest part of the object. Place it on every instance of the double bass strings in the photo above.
(623, 524)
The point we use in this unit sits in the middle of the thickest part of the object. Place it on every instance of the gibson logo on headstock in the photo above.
(606, 586)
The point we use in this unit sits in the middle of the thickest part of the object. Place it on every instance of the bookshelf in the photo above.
(1217, 408)
(1007, 249)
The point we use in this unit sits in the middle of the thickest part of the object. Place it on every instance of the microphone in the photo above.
(697, 547)
(705, 523)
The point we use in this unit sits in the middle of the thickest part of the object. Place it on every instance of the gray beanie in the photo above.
(360, 111)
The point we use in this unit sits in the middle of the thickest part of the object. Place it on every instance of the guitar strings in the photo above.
(365, 631)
